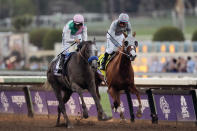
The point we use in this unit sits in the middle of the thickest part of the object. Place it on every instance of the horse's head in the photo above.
(89, 51)
(129, 47)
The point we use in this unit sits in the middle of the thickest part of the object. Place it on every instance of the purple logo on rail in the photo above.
(184, 107)
(90, 104)
(5, 103)
(39, 102)
(125, 108)
(165, 107)
(52, 102)
(72, 106)
(145, 106)
(18, 102)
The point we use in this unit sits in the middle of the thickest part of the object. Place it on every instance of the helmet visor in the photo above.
(122, 23)
(78, 24)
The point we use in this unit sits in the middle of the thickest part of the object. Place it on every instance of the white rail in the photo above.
(138, 81)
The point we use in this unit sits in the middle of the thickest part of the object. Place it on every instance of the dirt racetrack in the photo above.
(22, 123)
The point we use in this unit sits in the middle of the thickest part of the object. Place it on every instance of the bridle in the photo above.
(132, 48)
(123, 53)
(90, 58)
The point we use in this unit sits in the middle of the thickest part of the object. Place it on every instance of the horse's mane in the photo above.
(85, 42)
(120, 49)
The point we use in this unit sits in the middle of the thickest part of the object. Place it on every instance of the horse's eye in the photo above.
(126, 43)
(136, 44)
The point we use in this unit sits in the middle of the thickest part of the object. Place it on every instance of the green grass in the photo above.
(106, 103)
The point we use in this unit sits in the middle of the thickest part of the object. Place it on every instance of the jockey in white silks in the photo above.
(115, 36)
(73, 32)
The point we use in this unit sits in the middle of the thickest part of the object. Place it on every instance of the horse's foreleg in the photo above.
(101, 113)
(116, 97)
(85, 111)
(58, 116)
(66, 97)
(61, 108)
(58, 108)
(97, 92)
(77, 89)
(98, 81)
(139, 111)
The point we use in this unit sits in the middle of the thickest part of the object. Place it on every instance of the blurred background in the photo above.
(31, 30)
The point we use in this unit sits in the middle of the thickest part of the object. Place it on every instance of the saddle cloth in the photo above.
(56, 66)
(100, 59)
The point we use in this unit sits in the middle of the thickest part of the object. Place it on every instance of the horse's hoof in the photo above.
(122, 120)
(105, 118)
(85, 115)
(139, 115)
(57, 125)
(69, 126)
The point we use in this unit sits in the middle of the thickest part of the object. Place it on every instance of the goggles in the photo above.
(78, 24)
(122, 23)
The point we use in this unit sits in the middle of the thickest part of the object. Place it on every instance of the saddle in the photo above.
(100, 59)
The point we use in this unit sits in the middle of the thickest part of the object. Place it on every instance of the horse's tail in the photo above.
(47, 85)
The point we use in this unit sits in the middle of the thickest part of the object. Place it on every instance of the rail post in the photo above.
(194, 98)
(130, 106)
(152, 107)
(29, 101)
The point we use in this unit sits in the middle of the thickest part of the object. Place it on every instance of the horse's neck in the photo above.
(123, 62)
(81, 57)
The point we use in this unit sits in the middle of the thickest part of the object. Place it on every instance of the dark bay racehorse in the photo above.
(120, 74)
(80, 76)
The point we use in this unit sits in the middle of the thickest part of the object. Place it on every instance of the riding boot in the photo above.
(104, 61)
(61, 64)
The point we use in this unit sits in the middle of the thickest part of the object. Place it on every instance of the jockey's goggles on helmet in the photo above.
(122, 23)
(78, 24)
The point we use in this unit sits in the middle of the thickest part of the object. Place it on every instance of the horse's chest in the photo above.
(121, 82)
(80, 79)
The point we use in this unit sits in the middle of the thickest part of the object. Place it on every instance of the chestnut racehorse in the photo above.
(120, 75)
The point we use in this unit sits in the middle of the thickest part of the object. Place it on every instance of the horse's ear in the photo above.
(134, 34)
(94, 40)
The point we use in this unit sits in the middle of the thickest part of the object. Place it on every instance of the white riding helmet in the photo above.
(123, 17)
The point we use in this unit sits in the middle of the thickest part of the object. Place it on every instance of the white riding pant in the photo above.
(110, 43)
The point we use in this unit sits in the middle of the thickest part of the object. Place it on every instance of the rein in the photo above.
(123, 53)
